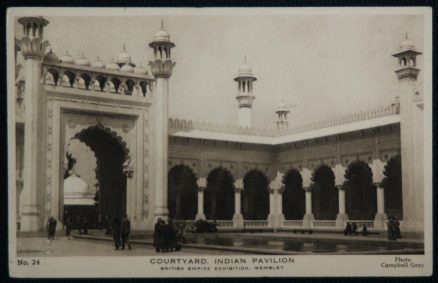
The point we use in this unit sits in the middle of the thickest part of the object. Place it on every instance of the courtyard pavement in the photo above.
(61, 246)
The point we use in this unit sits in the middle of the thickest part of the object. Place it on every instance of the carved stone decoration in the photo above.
(127, 168)
(162, 69)
(71, 124)
(49, 157)
(145, 212)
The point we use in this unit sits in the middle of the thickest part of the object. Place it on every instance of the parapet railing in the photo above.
(188, 125)
(255, 223)
(292, 223)
(94, 79)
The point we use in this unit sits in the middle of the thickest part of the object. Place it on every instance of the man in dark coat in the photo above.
(126, 229)
(85, 225)
(158, 231)
(116, 232)
(347, 231)
(51, 228)
(68, 226)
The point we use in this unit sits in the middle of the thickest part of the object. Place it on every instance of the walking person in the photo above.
(126, 230)
(116, 232)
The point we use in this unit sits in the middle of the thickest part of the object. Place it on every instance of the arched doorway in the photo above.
(360, 194)
(293, 196)
(111, 154)
(219, 195)
(324, 194)
(392, 184)
(255, 196)
(182, 193)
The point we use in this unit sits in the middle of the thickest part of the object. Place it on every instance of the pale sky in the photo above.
(324, 65)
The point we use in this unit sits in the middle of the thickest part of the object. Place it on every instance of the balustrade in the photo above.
(292, 223)
(97, 80)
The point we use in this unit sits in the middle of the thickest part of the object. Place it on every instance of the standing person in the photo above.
(99, 221)
(126, 229)
(68, 227)
(51, 228)
(116, 232)
(78, 223)
(347, 231)
(85, 225)
(391, 230)
(397, 231)
(106, 225)
(171, 234)
(157, 234)
(354, 228)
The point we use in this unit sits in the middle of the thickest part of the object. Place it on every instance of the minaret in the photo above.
(282, 111)
(411, 134)
(33, 48)
(161, 68)
(245, 96)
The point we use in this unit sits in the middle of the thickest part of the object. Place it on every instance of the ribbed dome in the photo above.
(98, 63)
(127, 68)
(51, 57)
(141, 70)
(67, 59)
(112, 66)
(123, 57)
(282, 107)
(162, 35)
(407, 44)
(82, 61)
(245, 69)
(75, 185)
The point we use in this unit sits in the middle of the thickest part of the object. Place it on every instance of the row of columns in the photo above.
(276, 216)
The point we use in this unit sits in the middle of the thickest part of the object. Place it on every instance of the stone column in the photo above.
(276, 188)
(33, 48)
(381, 217)
(162, 69)
(342, 217)
(202, 184)
(238, 221)
(308, 216)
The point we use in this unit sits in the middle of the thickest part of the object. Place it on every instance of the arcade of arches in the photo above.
(360, 200)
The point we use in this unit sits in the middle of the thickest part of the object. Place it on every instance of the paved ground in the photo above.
(61, 246)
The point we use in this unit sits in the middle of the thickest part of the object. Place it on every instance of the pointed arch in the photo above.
(182, 193)
(293, 196)
(219, 195)
(324, 193)
(255, 196)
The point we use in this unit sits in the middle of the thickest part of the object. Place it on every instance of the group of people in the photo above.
(120, 231)
(80, 222)
(351, 230)
(166, 237)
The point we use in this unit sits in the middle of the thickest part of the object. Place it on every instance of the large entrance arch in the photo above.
(111, 155)
(392, 184)
(360, 192)
(324, 194)
(219, 195)
(255, 196)
(293, 196)
(182, 193)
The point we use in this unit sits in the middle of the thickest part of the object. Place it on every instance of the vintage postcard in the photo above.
(232, 142)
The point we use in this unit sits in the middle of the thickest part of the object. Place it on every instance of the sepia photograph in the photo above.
(232, 142)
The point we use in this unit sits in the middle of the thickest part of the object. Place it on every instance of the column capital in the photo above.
(277, 183)
(162, 68)
(238, 185)
(202, 184)
(33, 48)
(307, 189)
(378, 185)
(340, 187)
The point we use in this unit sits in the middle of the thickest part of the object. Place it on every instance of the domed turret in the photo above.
(127, 68)
(141, 70)
(282, 111)
(98, 63)
(76, 191)
(82, 61)
(407, 58)
(51, 57)
(67, 59)
(112, 66)
(162, 66)
(124, 58)
(245, 96)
